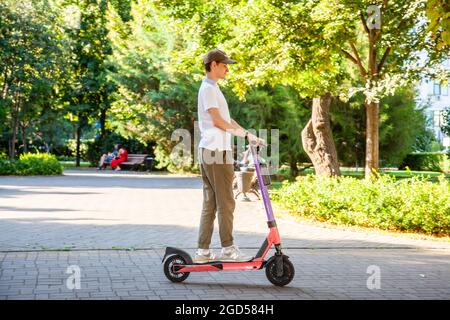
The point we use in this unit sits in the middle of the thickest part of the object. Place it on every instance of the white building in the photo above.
(437, 96)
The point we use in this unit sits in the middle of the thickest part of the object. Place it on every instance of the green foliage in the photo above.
(72, 146)
(402, 128)
(32, 164)
(31, 63)
(427, 161)
(123, 8)
(426, 141)
(438, 14)
(401, 121)
(405, 205)
(87, 93)
(135, 65)
(445, 127)
(280, 108)
(7, 167)
(287, 43)
(151, 102)
(38, 164)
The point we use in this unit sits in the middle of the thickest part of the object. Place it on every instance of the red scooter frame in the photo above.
(279, 269)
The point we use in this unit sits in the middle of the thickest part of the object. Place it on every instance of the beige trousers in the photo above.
(217, 175)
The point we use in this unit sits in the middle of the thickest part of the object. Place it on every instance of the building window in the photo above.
(444, 90)
(436, 89)
(438, 118)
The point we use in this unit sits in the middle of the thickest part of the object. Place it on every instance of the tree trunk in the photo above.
(23, 131)
(78, 154)
(12, 145)
(47, 147)
(372, 153)
(102, 123)
(317, 138)
(14, 124)
(293, 166)
(5, 84)
(103, 112)
(372, 112)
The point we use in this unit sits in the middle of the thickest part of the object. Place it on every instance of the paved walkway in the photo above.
(114, 227)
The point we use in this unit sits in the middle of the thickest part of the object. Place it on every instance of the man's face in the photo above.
(220, 69)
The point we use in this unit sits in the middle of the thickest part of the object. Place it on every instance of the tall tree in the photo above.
(87, 90)
(383, 40)
(30, 63)
(151, 102)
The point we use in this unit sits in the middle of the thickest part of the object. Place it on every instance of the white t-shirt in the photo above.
(210, 96)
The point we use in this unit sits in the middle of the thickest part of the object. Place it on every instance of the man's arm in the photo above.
(220, 123)
(236, 125)
(233, 127)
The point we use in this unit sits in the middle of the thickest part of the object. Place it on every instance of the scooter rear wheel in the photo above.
(169, 270)
(288, 272)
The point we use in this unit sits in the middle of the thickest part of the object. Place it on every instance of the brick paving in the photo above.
(114, 227)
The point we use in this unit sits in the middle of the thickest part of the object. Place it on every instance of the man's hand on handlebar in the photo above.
(254, 140)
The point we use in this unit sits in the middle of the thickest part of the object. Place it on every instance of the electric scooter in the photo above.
(279, 269)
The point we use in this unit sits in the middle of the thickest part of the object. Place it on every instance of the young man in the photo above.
(216, 161)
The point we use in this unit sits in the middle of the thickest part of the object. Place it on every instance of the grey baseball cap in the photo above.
(218, 56)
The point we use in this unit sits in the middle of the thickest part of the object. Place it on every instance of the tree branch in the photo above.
(383, 59)
(355, 61)
(348, 55)
(359, 63)
(364, 22)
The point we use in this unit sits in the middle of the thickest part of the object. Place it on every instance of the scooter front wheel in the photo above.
(287, 275)
(169, 268)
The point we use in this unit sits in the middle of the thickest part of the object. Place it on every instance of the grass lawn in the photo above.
(397, 173)
(71, 164)
(349, 172)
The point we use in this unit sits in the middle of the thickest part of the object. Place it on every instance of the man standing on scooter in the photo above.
(216, 161)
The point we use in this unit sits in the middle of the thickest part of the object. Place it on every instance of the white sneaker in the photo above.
(232, 253)
(204, 255)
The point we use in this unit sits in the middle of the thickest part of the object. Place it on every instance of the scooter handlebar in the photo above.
(258, 143)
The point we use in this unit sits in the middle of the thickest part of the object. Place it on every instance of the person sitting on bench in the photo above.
(122, 157)
(106, 159)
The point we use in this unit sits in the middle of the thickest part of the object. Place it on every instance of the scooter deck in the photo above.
(220, 266)
(222, 261)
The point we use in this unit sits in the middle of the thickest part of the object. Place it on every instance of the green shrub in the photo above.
(413, 204)
(426, 161)
(7, 167)
(32, 164)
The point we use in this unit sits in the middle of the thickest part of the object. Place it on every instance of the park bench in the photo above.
(136, 161)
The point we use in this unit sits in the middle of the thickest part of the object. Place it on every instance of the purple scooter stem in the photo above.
(262, 186)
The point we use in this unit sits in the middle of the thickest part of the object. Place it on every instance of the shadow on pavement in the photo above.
(85, 233)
